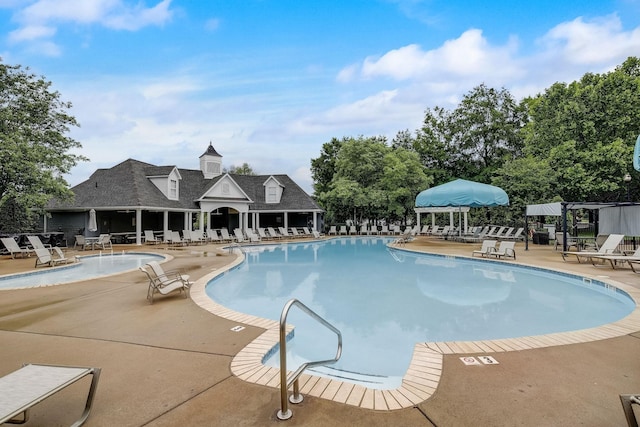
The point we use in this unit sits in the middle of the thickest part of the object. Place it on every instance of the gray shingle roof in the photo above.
(126, 186)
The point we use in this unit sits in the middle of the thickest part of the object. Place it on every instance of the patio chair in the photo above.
(239, 235)
(187, 238)
(306, 231)
(405, 237)
(295, 234)
(212, 235)
(353, 230)
(82, 242)
(197, 237)
(343, 230)
(224, 235)
(164, 282)
(615, 259)
(332, 230)
(283, 232)
(425, 230)
(61, 259)
(253, 237)
(36, 243)
(273, 233)
(104, 240)
(150, 238)
(364, 230)
(488, 246)
(384, 230)
(515, 236)
(14, 249)
(609, 247)
(506, 249)
(571, 242)
(43, 257)
(26, 387)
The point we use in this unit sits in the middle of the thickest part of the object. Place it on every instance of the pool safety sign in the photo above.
(479, 361)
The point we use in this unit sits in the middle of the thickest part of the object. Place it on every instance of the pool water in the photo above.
(87, 268)
(384, 301)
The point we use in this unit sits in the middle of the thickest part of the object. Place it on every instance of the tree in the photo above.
(245, 169)
(34, 148)
(371, 180)
(323, 168)
(586, 131)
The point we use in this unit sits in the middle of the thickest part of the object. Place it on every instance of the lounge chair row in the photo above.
(366, 230)
(45, 254)
(223, 236)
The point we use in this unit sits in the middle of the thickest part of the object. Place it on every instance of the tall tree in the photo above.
(34, 148)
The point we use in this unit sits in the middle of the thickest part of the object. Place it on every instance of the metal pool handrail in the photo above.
(285, 413)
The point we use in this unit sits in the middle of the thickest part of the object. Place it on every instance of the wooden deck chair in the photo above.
(488, 246)
(164, 282)
(14, 249)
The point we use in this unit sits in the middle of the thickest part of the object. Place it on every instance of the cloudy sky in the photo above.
(269, 81)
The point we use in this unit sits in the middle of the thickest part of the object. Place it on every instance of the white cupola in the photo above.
(211, 163)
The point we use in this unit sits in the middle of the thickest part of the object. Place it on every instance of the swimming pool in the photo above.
(385, 301)
(88, 267)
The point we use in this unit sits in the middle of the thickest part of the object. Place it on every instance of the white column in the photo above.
(138, 226)
(451, 219)
(315, 221)
(165, 225)
(286, 221)
(433, 219)
(187, 221)
(418, 219)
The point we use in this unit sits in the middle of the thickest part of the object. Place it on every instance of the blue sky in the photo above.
(270, 81)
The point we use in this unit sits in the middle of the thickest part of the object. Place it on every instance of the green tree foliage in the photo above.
(323, 168)
(585, 132)
(473, 140)
(244, 169)
(34, 148)
(371, 180)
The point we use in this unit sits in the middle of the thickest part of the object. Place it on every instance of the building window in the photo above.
(173, 189)
(272, 195)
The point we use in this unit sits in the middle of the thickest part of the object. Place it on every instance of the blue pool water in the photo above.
(384, 301)
(88, 267)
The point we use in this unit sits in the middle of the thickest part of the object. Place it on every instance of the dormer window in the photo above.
(173, 189)
(272, 194)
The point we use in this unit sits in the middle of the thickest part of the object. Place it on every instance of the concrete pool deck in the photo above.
(169, 363)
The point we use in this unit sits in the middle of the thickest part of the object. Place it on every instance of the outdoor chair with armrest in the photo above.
(609, 247)
(12, 246)
(488, 246)
(506, 249)
(164, 282)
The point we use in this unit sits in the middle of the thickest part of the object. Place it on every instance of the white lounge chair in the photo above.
(263, 234)
(104, 240)
(82, 242)
(36, 243)
(43, 257)
(306, 231)
(294, 232)
(61, 258)
(224, 235)
(31, 384)
(14, 249)
(253, 237)
(212, 235)
(342, 230)
(609, 247)
(353, 230)
(150, 238)
(197, 237)
(239, 235)
(506, 249)
(571, 242)
(332, 230)
(615, 259)
(164, 282)
(283, 232)
(273, 233)
(488, 246)
(515, 236)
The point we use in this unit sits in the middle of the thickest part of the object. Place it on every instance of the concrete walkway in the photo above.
(168, 364)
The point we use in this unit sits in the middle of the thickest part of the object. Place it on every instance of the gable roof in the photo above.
(127, 184)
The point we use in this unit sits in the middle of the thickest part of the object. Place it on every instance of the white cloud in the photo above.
(31, 32)
(40, 19)
(591, 43)
(470, 55)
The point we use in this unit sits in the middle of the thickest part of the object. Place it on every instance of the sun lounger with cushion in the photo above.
(31, 384)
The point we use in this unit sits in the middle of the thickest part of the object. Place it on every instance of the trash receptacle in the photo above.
(541, 238)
